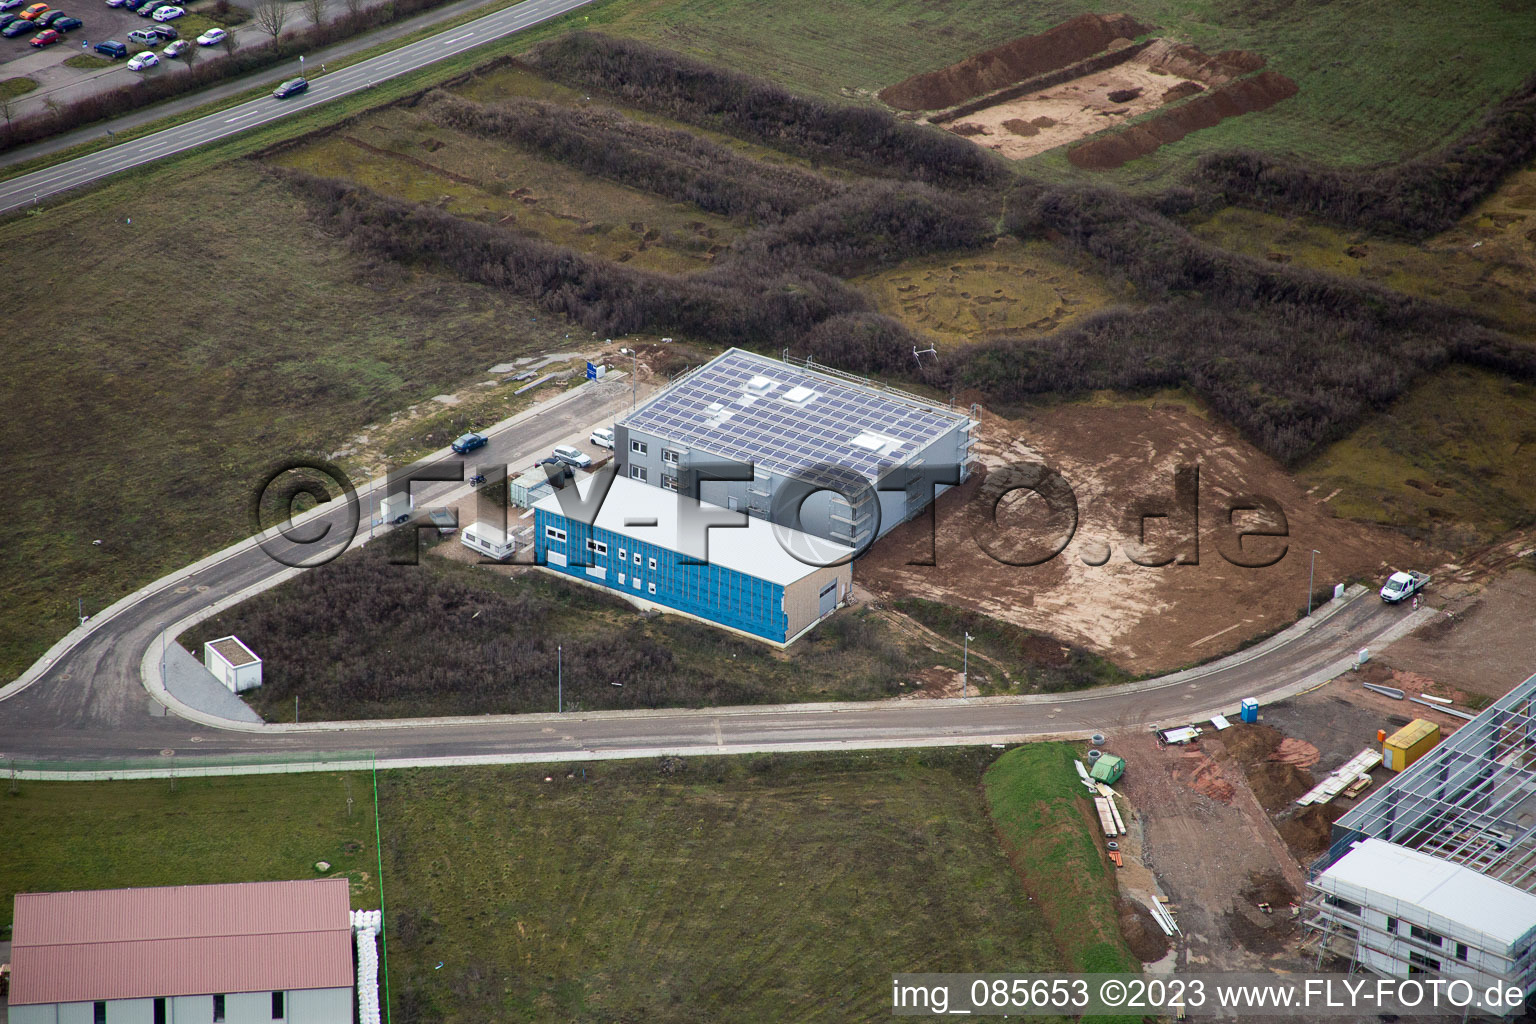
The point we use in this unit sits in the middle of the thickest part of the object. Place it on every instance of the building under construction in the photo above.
(1435, 873)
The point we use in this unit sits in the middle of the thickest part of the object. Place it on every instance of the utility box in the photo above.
(526, 490)
(1107, 769)
(232, 663)
(1409, 743)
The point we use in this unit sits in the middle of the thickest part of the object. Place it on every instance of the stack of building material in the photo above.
(1345, 777)
(366, 924)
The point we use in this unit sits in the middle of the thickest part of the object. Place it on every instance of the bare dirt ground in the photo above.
(1115, 457)
(1215, 854)
(1482, 647)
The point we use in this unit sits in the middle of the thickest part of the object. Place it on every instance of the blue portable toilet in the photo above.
(1250, 710)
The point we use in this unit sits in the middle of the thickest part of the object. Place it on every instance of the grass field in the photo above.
(1453, 460)
(169, 398)
(764, 888)
(10, 88)
(107, 835)
(767, 888)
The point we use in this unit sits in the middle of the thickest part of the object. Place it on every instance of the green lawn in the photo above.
(107, 835)
(766, 888)
(87, 62)
(10, 88)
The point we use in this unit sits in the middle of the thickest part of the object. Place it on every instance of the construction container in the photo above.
(1249, 711)
(1409, 743)
(1107, 769)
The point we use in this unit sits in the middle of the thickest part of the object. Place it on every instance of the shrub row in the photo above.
(1417, 198)
(688, 90)
(245, 60)
(736, 300)
(676, 164)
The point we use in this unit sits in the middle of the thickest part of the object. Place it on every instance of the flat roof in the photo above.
(759, 548)
(233, 651)
(180, 941)
(1440, 887)
(792, 420)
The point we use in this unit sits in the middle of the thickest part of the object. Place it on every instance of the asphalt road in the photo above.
(30, 188)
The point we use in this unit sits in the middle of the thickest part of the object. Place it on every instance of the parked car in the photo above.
(34, 12)
(212, 37)
(602, 437)
(292, 87)
(176, 49)
(573, 457)
(168, 13)
(8, 19)
(147, 10)
(164, 33)
(47, 20)
(142, 61)
(17, 27)
(143, 37)
(10, 5)
(116, 3)
(68, 24)
(111, 49)
(47, 37)
(134, 5)
(468, 443)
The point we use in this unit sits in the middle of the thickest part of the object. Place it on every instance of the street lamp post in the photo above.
(559, 679)
(1311, 573)
(301, 65)
(965, 667)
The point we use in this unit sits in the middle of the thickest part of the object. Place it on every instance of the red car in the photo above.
(45, 38)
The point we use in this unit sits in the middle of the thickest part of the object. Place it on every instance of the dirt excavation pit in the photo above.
(1082, 77)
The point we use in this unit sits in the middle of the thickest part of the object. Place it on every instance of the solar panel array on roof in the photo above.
(799, 425)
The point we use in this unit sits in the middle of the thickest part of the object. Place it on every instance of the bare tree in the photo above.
(314, 10)
(191, 53)
(7, 107)
(271, 15)
(354, 7)
(229, 41)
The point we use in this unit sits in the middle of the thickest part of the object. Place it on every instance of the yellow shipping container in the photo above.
(1409, 743)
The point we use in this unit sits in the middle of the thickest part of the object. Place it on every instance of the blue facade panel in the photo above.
(659, 574)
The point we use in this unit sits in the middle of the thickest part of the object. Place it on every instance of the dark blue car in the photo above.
(292, 87)
(468, 443)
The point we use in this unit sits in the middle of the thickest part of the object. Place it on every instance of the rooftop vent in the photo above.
(800, 394)
(873, 442)
(760, 385)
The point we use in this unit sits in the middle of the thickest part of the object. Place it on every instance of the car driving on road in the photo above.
(468, 443)
(142, 61)
(212, 37)
(573, 457)
(292, 87)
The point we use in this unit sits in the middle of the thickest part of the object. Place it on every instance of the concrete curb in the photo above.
(106, 615)
(1286, 636)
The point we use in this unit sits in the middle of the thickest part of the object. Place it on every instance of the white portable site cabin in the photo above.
(232, 663)
(492, 541)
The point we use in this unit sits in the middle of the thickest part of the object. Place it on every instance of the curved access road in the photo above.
(27, 189)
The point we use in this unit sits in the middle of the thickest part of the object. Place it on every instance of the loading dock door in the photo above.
(828, 599)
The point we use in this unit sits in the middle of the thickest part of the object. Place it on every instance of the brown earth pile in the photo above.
(1073, 40)
(1141, 931)
(1204, 776)
(1019, 126)
(1182, 90)
(1188, 62)
(1308, 832)
(1260, 92)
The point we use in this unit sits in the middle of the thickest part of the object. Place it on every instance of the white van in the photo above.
(602, 437)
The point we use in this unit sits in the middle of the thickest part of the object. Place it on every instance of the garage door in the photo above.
(828, 599)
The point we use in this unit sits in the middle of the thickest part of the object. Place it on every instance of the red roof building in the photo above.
(252, 951)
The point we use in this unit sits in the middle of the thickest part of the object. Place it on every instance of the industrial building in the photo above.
(638, 544)
(239, 954)
(801, 429)
(1435, 873)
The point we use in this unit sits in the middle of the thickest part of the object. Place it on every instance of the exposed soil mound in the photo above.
(1074, 40)
(1123, 95)
(1260, 92)
(1141, 932)
(1276, 784)
(1295, 752)
(1257, 931)
(1186, 61)
(1250, 744)
(1309, 831)
(1183, 90)
(1203, 775)
(1019, 126)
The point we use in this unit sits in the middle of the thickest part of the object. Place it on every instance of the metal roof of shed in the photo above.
(181, 940)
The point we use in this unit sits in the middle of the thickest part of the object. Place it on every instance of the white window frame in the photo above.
(653, 588)
(652, 564)
(670, 457)
(637, 473)
(638, 447)
(554, 533)
(597, 546)
(623, 554)
(668, 482)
